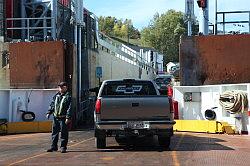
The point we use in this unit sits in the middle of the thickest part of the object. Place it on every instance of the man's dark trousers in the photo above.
(59, 125)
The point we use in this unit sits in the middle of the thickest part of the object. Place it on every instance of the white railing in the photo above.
(24, 24)
(119, 49)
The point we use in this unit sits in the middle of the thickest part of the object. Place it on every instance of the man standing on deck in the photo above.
(60, 107)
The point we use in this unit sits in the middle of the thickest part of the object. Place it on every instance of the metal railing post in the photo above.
(23, 15)
(45, 34)
(28, 29)
(216, 18)
(249, 22)
(224, 28)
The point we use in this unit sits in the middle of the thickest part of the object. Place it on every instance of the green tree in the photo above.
(163, 34)
(117, 30)
(101, 21)
(106, 25)
(124, 30)
(114, 27)
(135, 34)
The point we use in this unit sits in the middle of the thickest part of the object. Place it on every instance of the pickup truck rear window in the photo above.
(120, 88)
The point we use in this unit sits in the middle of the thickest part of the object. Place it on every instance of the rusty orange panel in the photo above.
(36, 64)
(215, 59)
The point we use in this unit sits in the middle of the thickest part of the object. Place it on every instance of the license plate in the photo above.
(136, 125)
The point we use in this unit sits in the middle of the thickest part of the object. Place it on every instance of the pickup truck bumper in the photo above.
(121, 125)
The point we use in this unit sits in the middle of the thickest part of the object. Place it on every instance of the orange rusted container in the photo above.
(221, 59)
(36, 64)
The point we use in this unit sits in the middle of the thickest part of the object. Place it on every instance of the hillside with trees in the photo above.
(163, 32)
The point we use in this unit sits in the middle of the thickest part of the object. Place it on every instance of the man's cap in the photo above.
(62, 84)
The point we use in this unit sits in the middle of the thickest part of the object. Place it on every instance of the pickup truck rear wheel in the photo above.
(100, 142)
(164, 141)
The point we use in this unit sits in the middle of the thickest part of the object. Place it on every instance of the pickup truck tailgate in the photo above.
(135, 108)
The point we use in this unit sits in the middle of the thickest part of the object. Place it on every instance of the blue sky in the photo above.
(142, 11)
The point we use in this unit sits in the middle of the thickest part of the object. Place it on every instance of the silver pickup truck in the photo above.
(130, 108)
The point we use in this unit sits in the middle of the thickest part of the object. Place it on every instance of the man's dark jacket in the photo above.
(61, 106)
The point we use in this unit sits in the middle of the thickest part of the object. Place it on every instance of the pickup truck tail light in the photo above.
(98, 106)
(170, 91)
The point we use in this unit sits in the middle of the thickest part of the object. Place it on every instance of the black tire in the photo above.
(164, 141)
(100, 142)
(28, 116)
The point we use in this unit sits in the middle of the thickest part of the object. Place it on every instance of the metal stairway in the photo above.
(116, 47)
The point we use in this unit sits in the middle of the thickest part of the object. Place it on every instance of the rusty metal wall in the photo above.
(208, 60)
(36, 64)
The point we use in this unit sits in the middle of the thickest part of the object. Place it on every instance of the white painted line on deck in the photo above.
(174, 155)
